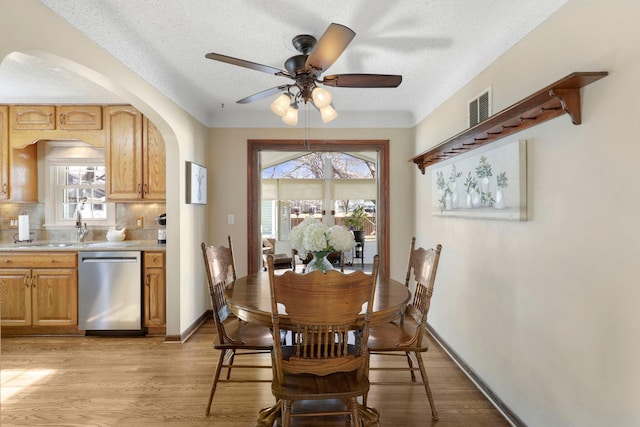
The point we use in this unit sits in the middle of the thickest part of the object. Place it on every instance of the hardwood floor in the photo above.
(107, 381)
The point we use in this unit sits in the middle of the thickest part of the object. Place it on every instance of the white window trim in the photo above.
(53, 206)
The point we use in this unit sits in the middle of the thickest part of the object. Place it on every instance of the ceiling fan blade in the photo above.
(362, 80)
(263, 94)
(247, 64)
(329, 47)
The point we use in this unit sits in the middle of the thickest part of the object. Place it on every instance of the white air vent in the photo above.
(480, 108)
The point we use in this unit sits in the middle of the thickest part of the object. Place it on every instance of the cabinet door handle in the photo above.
(139, 188)
(146, 189)
(26, 281)
(61, 118)
(147, 279)
(33, 281)
(4, 188)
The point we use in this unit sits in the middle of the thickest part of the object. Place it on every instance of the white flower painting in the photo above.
(196, 184)
(490, 184)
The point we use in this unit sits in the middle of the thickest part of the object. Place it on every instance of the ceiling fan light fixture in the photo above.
(291, 116)
(281, 105)
(328, 113)
(321, 97)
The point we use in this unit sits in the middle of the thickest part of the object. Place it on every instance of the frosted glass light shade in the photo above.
(281, 105)
(328, 113)
(291, 116)
(321, 97)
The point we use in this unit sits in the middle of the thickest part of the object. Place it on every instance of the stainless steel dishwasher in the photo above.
(109, 291)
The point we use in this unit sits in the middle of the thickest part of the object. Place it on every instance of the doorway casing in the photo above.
(255, 146)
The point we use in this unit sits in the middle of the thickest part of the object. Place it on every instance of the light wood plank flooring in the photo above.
(104, 381)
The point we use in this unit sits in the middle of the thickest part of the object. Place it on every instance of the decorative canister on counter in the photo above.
(162, 231)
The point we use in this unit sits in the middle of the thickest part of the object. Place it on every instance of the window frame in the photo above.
(54, 202)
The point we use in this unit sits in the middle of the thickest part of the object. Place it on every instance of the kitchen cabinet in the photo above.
(30, 123)
(4, 152)
(154, 162)
(30, 117)
(23, 170)
(18, 166)
(39, 289)
(154, 293)
(135, 157)
(79, 117)
(50, 117)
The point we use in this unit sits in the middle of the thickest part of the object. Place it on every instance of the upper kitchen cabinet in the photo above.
(18, 166)
(135, 157)
(153, 162)
(4, 152)
(29, 123)
(49, 117)
(23, 169)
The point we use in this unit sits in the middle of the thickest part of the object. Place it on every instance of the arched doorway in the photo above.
(254, 148)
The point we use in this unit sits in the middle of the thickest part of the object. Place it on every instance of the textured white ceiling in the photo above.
(436, 45)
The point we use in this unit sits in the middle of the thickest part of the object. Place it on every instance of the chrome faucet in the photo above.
(81, 232)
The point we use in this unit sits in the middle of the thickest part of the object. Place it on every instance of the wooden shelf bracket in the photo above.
(552, 101)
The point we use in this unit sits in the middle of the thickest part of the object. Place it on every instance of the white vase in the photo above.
(484, 185)
(499, 204)
(469, 203)
(475, 199)
(447, 202)
(455, 197)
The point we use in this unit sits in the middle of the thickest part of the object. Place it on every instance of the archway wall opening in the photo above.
(185, 140)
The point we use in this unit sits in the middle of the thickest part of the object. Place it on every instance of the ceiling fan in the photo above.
(305, 69)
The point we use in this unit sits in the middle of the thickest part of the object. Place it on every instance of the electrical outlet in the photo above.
(231, 219)
(140, 222)
(13, 222)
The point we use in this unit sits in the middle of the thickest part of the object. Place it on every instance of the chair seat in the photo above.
(253, 336)
(386, 337)
(340, 385)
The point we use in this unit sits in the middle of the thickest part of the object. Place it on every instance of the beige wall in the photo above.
(29, 27)
(545, 311)
(228, 194)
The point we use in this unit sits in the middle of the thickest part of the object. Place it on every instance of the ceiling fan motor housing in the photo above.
(296, 64)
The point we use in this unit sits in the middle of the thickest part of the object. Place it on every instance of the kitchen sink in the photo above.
(92, 245)
(111, 244)
(48, 245)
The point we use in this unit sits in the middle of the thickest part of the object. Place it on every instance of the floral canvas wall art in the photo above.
(490, 184)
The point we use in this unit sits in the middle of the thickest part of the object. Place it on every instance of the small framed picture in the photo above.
(196, 184)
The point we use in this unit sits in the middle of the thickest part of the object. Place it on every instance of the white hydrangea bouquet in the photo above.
(315, 237)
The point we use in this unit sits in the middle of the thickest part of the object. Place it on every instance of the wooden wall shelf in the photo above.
(554, 100)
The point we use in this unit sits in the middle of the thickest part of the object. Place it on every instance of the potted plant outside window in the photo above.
(355, 222)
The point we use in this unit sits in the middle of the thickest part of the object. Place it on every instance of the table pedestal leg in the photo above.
(267, 416)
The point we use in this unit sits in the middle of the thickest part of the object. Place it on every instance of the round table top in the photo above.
(250, 299)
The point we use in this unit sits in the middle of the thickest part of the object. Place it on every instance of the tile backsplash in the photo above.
(126, 214)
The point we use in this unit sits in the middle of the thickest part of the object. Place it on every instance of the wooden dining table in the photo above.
(250, 299)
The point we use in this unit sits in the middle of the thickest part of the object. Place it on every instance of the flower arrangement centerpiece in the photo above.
(315, 237)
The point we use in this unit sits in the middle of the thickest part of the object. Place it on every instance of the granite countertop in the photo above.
(103, 245)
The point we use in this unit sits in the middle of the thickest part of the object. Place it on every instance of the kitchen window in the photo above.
(76, 182)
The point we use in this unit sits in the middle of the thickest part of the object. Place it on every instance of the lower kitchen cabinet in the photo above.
(38, 289)
(154, 293)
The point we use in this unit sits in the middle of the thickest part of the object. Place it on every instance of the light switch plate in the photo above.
(140, 222)
(231, 219)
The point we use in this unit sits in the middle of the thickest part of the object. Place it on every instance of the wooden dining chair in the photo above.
(233, 337)
(407, 337)
(327, 357)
